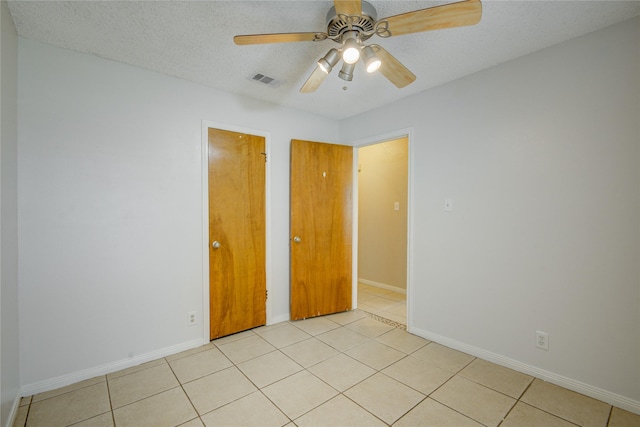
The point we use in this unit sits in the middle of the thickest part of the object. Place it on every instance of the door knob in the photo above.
(297, 239)
(215, 244)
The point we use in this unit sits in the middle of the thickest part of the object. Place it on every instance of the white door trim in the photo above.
(206, 124)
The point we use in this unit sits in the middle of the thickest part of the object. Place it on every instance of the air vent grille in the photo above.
(265, 80)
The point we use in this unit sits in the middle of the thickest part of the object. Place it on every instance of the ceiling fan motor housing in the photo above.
(364, 24)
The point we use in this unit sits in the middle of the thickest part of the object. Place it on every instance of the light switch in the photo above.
(396, 206)
(448, 205)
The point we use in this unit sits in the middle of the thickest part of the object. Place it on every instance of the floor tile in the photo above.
(342, 339)
(567, 404)
(269, 368)
(341, 372)
(136, 368)
(246, 348)
(621, 418)
(299, 393)
(190, 352)
(399, 309)
(430, 413)
(309, 352)
(21, 416)
(473, 400)
(369, 327)
(348, 369)
(72, 387)
(233, 337)
(315, 325)
(375, 354)
(402, 340)
(252, 410)
(380, 303)
(378, 291)
(169, 408)
(362, 305)
(339, 411)
(443, 357)
(394, 317)
(418, 374)
(496, 377)
(363, 296)
(283, 336)
(346, 317)
(138, 385)
(218, 389)
(523, 415)
(199, 364)
(384, 397)
(395, 296)
(104, 420)
(70, 407)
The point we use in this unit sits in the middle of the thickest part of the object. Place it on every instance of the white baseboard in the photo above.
(382, 285)
(14, 411)
(74, 377)
(562, 381)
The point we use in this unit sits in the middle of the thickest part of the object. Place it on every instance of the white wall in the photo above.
(541, 156)
(111, 208)
(9, 357)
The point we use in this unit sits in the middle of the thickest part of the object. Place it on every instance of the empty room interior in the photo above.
(452, 238)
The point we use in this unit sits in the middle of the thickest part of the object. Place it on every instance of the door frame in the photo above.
(402, 133)
(204, 172)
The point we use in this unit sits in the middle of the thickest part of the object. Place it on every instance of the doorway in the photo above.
(382, 228)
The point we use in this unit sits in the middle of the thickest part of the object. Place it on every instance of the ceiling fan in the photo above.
(352, 22)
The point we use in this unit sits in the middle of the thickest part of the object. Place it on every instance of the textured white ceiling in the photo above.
(193, 40)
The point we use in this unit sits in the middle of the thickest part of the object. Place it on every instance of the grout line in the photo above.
(610, 414)
(113, 416)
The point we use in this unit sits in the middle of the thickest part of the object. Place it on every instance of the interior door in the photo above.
(237, 232)
(321, 228)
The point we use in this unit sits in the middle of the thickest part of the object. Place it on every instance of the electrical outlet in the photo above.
(542, 340)
(192, 319)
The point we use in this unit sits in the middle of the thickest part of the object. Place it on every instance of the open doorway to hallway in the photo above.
(382, 228)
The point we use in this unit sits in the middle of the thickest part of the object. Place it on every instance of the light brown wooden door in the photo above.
(237, 234)
(321, 223)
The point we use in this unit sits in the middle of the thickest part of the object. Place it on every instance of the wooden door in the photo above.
(321, 237)
(237, 233)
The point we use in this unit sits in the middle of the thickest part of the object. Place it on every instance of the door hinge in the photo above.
(266, 294)
(265, 157)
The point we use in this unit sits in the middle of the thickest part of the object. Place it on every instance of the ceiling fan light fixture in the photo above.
(346, 73)
(371, 62)
(327, 63)
(350, 48)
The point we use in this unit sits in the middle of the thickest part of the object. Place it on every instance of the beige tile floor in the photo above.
(382, 302)
(346, 369)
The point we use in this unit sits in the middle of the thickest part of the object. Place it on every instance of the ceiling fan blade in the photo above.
(348, 7)
(392, 69)
(452, 15)
(278, 38)
(314, 81)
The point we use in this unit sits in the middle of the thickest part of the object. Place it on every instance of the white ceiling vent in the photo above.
(265, 80)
